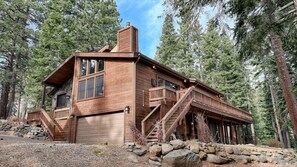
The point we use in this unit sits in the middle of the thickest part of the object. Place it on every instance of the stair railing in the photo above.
(146, 124)
(174, 109)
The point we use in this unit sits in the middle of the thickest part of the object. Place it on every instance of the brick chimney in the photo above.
(128, 39)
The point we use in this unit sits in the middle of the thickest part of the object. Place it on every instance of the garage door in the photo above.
(100, 129)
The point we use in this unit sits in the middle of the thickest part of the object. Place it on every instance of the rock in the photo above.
(1, 138)
(155, 149)
(289, 158)
(255, 158)
(166, 148)
(41, 134)
(155, 163)
(271, 160)
(236, 151)
(140, 151)
(155, 158)
(129, 149)
(216, 159)
(245, 152)
(210, 150)
(255, 153)
(195, 148)
(262, 159)
(181, 157)
(129, 145)
(133, 158)
(222, 154)
(177, 144)
(241, 159)
(202, 155)
(229, 150)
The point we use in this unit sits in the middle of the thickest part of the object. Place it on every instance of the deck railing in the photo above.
(215, 104)
(162, 93)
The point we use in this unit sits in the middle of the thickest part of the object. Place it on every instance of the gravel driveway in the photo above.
(16, 151)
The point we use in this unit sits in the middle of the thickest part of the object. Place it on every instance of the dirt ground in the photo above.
(16, 151)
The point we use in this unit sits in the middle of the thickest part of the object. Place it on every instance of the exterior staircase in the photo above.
(39, 116)
(171, 120)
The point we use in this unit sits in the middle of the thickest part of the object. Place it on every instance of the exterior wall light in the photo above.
(127, 109)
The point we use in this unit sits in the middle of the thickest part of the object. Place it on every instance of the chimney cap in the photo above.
(128, 24)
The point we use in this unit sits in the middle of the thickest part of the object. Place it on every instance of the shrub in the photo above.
(204, 134)
(139, 138)
(273, 143)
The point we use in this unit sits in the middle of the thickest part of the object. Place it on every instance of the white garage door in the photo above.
(101, 129)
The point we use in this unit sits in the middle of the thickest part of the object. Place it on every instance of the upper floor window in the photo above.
(90, 66)
(168, 84)
(61, 100)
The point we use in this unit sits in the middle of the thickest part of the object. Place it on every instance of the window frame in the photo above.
(57, 100)
(88, 63)
(94, 84)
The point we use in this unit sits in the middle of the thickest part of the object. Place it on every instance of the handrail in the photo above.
(224, 103)
(175, 107)
(149, 115)
(181, 115)
(48, 117)
(173, 110)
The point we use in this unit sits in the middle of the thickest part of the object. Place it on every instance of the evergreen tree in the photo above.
(18, 23)
(222, 68)
(69, 26)
(167, 50)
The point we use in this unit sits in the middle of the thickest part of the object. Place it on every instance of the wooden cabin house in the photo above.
(98, 96)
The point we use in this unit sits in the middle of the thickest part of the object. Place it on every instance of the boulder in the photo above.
(255, 158)
(246, 152)
(202, 155)
(166, 148)
(210, 150)
(216, 159)
(155, 149)
(155, 163)
(222, 154)
(195, 148)
(133, 158)
(229, 150)
(129, 145)
(155, 158)
(140, 151)
(262, 159)
(181, 157)
(177, 144)
(236, 151)
(241, 158)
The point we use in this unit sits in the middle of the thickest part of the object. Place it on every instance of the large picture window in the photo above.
(91, 87)
(168, 84)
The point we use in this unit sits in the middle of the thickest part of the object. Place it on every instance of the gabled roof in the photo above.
(65, 71)
(61, 74)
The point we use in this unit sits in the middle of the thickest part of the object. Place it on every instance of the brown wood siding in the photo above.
(99, 129)
(144, 74)
(118, 93)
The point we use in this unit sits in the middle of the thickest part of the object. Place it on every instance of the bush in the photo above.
(273, 143)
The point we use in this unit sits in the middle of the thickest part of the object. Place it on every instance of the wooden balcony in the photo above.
(161, 94)
(200, 100)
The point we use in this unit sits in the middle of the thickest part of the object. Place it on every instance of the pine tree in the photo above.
(167, 50)
(69, 26)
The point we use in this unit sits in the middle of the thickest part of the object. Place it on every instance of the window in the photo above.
(83, 67)
(81, 89)
(91, 87)
(100, 65)
(168, 84)
(99, 86)
(61, 101)
(92, 65)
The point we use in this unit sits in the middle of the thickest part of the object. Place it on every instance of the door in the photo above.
(99, 129)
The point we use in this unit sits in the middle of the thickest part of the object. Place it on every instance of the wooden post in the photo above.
(242, 134)
(233, 134)
(43, 96)
(222, 132)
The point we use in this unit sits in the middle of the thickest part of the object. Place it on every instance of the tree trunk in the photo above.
(4, 100)
(13, 68)
(274, 103)
(274, 128)
(284, 78)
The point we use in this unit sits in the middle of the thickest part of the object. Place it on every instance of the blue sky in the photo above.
(143, 14)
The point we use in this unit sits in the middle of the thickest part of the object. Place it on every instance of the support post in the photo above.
(43, 96)
(222, 132)
(233, 134)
